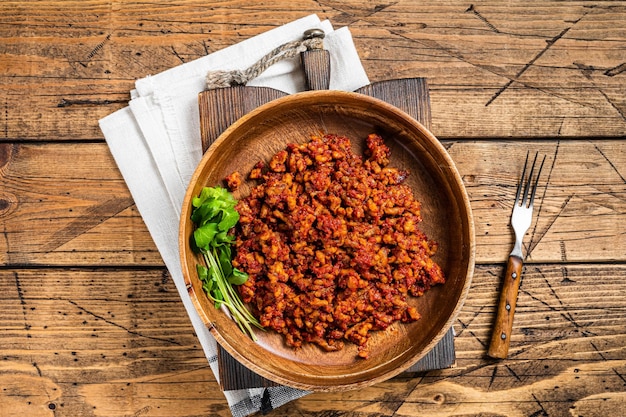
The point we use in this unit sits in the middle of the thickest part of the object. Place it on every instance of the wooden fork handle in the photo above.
(501, 338)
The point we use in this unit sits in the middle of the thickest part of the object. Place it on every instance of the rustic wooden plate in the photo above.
(445, 210)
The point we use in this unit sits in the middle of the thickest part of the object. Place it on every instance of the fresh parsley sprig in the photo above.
(214, 215)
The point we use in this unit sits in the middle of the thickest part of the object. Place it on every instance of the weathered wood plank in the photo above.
(82, 335)
(71, 338)
(494, 70)
(66, 204)
(111, 342)
(580, 200)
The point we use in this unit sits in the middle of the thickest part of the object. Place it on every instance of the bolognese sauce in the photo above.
(331, 243)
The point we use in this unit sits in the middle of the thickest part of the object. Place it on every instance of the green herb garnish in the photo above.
(214, 215)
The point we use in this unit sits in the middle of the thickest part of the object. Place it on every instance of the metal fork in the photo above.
(520, 220)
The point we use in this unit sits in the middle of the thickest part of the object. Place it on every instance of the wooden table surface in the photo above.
(90, 321)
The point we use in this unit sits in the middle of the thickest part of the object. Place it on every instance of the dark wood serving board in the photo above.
(221, 107)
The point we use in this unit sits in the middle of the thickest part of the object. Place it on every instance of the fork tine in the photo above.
(521, 181)
(529, 181)
(532, 194)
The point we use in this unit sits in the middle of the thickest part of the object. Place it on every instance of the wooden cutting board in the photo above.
(221, 107)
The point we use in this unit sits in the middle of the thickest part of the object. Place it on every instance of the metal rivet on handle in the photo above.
(314, 33)
(503, 336)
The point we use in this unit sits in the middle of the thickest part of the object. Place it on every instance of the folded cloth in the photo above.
(156, 144)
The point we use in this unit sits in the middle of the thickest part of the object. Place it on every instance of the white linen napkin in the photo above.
(156, 144)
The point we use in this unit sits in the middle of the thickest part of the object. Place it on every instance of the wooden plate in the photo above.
(446, 218)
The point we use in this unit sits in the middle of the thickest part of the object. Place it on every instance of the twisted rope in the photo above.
(222, 79)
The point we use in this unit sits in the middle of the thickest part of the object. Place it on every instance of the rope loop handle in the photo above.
(312, 39)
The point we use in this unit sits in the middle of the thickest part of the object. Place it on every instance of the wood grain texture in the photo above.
(128, 346)
(239, 100)
(90, 322)
(89, 217)
(316, 66)
(505, 313)
(533, 70)
(57, 212)
(408, 94)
